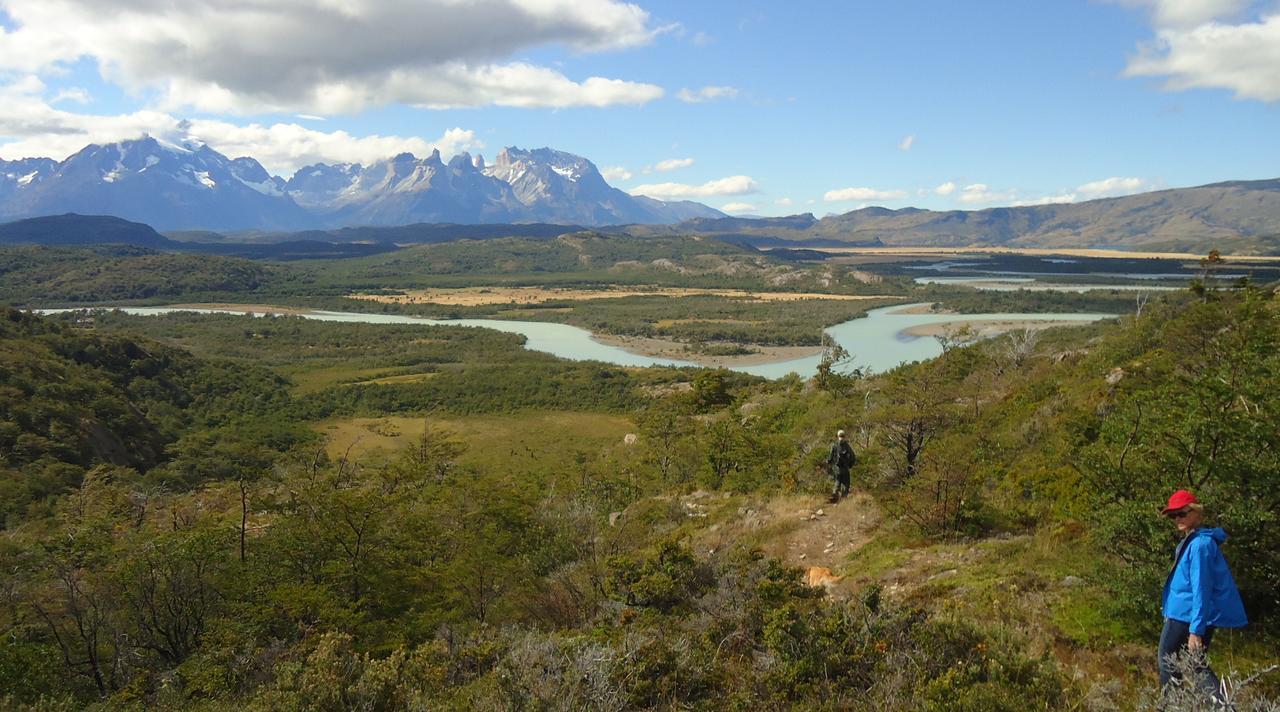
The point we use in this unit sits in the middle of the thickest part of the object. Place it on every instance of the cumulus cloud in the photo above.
(846, 194)
(733, 185)
(1047, 200)
(1111, 187)
(982, 194)
(706, 94)
(907, 142)
(738, 208)
(615, 173)
(1201, 44)
(38, 129)
(946, 188)
(75, 95)
(1189, 13)
(284, 148)
(330, 56)
(784, 202)
(672, 164)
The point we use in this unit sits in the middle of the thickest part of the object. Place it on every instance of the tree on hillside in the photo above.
(1198, 412)
(836, 373)
(914, 407)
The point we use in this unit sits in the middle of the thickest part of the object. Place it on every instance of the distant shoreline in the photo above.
(981, 329)
(255, 308)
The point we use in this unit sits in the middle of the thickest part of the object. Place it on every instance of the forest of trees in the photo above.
(176, 535)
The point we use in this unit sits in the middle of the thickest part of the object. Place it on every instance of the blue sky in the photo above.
(754, 107)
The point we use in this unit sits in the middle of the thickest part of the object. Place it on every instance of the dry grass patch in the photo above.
(482, 296)
(1030, 251)
(535, 440)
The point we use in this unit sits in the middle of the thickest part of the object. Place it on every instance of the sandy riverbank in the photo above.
(255, 308)
(667, 349)
(921, 309)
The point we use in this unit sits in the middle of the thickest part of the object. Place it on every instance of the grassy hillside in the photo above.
(53, 275)
(1004, 550)
(72, 229)
(1241, 217)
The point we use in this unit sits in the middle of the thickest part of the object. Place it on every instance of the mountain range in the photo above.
(191, 186)
(1236, 216)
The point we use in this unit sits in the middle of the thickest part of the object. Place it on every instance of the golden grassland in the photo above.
(481, 296)
(1033, 251)
(523, 440)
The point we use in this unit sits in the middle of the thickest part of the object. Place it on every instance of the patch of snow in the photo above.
(24, 180)
(569, 173)
(507, 173)
(151, 161)
(205, 180)
(266, 187)
(114, 174)
(173, 147)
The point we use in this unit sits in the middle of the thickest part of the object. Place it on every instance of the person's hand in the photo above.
(1195, 643)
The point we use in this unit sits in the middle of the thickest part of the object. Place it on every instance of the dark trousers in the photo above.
(1173, 642)
(842, 483)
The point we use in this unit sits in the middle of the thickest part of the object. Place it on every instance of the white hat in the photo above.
(840, 433)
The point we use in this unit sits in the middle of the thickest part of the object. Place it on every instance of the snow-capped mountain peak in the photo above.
(186, 184)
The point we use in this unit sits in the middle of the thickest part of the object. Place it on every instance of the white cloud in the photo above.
(1206, 44)
(784, 202)
(1111, 187)
(1189, 13)
(330, 56)
(284, 148)
(38, 129)
(738, 208)
(1047, 200)
(311, 117)
(706, 94)
(844, 194)
(615, 173)
(946, 188)
(733, 185)
(672, 164)
(982, 194)
(75, 95)
(907, 142)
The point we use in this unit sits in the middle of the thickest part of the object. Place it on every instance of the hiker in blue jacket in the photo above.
(1200, 595)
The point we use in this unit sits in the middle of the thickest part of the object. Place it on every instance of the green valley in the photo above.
(271, 513)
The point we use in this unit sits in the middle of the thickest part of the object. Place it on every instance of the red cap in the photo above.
(1178, 500)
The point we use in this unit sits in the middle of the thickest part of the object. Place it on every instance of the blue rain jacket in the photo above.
(1200, 590)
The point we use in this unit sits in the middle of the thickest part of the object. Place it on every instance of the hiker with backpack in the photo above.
(840, 460)
(1199, 597)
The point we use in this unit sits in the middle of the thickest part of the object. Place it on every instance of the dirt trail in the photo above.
(824, 534)
(804, 531)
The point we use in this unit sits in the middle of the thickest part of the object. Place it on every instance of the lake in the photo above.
(875, 341)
